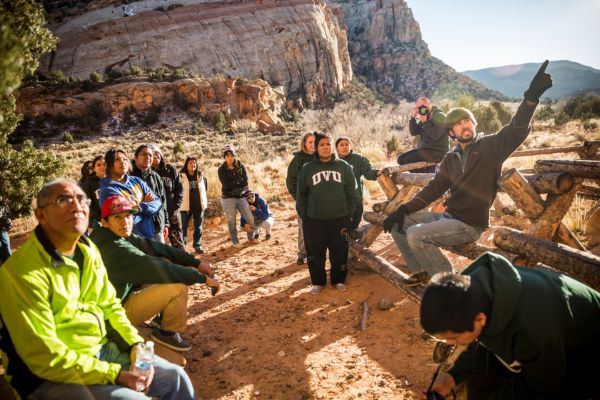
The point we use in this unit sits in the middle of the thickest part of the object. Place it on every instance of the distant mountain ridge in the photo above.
(570, 78)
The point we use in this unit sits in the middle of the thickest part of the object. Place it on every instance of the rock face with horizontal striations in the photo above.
(297, 44)
(387, 49)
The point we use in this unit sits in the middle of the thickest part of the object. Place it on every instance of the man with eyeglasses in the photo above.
(118, 182)
(63, 327)
(427, 123)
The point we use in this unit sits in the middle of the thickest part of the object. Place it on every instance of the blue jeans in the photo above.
(170, 383)
(422, 235)
(198, 216)
(4, 246)
(230, 206)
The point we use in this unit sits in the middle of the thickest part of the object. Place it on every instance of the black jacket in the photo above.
(472, 175)
(172, 184)
(433, 135)
(154, 181)
(91, 188)
(233, 181)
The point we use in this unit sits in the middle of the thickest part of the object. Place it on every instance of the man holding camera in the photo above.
(427, 122)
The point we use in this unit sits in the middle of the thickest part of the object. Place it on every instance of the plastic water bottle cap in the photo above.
(150, 345)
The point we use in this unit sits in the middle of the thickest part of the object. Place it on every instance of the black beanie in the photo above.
(318, 137)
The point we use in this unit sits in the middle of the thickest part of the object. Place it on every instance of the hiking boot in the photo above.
(268, 237)
(300, 261)
(420, 278)
(171, 340)
(199, 250)
(316, 289)
(341, 287)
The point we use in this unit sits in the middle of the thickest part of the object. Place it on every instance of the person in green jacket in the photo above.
(362, 168)
(326, 199)
(301, 157)
(64, 329)
(150, 277)
(531, 333)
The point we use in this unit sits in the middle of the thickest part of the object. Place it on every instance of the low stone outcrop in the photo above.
(253, 100)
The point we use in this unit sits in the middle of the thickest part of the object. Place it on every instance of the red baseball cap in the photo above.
(117, 204)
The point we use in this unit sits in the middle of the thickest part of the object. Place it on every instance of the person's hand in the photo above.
(539, 84)
(148, 197)
(443, 384)
(132, 379)
(214, 285)
(248, 228)
(205, 268)
(379, 172)
(252, 208)
(166, 232)
(414, 111)
(397, 217)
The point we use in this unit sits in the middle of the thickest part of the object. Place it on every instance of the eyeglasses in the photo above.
(67, 201)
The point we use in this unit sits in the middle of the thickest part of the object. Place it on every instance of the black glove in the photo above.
(397, 217)
(539, 84)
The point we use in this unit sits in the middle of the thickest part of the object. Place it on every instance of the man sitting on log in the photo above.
(531, 333)
(470, 172)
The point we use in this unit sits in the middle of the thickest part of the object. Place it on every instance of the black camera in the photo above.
(434, 396)
(423, 110)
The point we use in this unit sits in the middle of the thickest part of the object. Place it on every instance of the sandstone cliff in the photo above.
(254, 100)
(387, 49)
(297, 44)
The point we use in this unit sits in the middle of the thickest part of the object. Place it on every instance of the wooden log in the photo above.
(589, 192)
(387, 270)
(551, 183)
(578, 168)
(557, 206)
(379, 207)
(549, 150)
(405, 167)
(528, 200)
(592, 150)
(580, 264)
(364, 314)
(522, 193)
(565, 236)
(388, 186)
(410, 178)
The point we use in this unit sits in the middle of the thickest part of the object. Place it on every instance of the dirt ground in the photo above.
(265, 337)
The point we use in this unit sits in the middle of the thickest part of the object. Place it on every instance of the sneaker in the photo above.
(199, 250)
(316, 289)
(420, 278)
(155, 323)
(171, 340)
(341, 287)
(268, 237)
(300, 261)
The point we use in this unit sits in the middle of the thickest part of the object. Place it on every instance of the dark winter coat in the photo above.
(472, 174)
(262, 212)
(154, 181)
(361, 166)
(432, 134)
(172, 184)
(233, 181)
(536, 319)
(135, 261)
(291, 181)
(326, 190)
(91, 188)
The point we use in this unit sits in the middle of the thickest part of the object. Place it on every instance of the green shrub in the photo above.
(546, 113)
(114, 74)
(504, 114)
(135, 70)
(220, 122)
(289, 116)
(465, 101)
(96, 77)
(178, 148)
(96, 113)
(181, 73)
(68, 137)
(152, 114)
(561, 118)
(59, 78)
(392, 145)
(487, 119)
(128, 113)
(589, 125)
(583, 106)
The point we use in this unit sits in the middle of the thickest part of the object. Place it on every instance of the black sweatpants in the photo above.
(320, 236)
(419, 155)
(175, 233)
(357, 217)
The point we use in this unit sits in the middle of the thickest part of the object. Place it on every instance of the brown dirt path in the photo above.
(265, 337)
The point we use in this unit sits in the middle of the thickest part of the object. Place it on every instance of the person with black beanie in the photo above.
(326, 198)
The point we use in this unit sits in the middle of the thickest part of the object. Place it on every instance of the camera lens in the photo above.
(423, 110)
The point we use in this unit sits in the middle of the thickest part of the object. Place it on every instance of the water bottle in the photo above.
(143, 362)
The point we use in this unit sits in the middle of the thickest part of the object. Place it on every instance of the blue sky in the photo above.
(470, 34)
